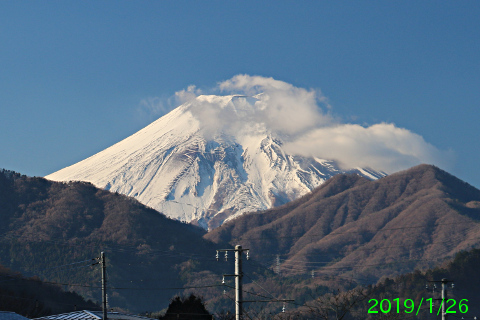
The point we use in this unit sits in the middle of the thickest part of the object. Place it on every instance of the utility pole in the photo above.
(444, 299)
(238, 278)
(104, 285)
(238, 283)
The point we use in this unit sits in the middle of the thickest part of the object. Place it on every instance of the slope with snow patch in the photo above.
(203, 172)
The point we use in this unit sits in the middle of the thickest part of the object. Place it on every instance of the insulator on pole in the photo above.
(226, 255)
(217, 255)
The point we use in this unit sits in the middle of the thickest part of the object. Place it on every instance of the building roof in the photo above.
(7, 315)
(92, 315)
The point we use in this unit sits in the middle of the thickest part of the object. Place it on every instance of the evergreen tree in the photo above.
(191, 308)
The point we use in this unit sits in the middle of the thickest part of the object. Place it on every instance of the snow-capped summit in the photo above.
(207, 161)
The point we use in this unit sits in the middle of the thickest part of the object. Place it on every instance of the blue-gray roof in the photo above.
(92, 315)
(7, 315)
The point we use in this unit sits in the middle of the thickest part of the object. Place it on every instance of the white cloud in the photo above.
(297, 115)
(191, 93)
(381, 146)
(153, 105)
(293, 110)
(252, 85)
(281, 106)
(152, 108)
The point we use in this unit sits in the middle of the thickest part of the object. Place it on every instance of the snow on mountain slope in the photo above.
(192, 168)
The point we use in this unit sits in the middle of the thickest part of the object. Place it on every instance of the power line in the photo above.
(14, 277)
(291, 263)
(336, 277)
(107, 247)
(69, 269)
(260, 286)
(165, 253)
(32, 299)
(451, 240)
(237, 305)
(346, 232)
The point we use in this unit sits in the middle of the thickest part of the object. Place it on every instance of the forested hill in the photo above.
(38, 209)
(407, 220)
(46, 224)
(31, 297)
(349, 226)
(462, 274)
(415, 295)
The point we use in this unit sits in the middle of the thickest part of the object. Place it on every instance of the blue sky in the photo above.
(75, 75)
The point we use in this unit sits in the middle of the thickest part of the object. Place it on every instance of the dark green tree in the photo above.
(191, 308)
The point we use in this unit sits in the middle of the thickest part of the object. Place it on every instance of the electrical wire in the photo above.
(68, 264)
(236, 304)
(292, 262)
(245, 274)
(166, 253)
(336, 277)
(451, 240)
(31, 299)
(347, 232)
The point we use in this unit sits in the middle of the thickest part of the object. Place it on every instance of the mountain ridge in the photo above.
(193, 168)
(349, 227)
(348, 218)
(48, 227)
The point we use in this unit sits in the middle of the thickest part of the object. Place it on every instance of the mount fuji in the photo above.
(194, 167)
